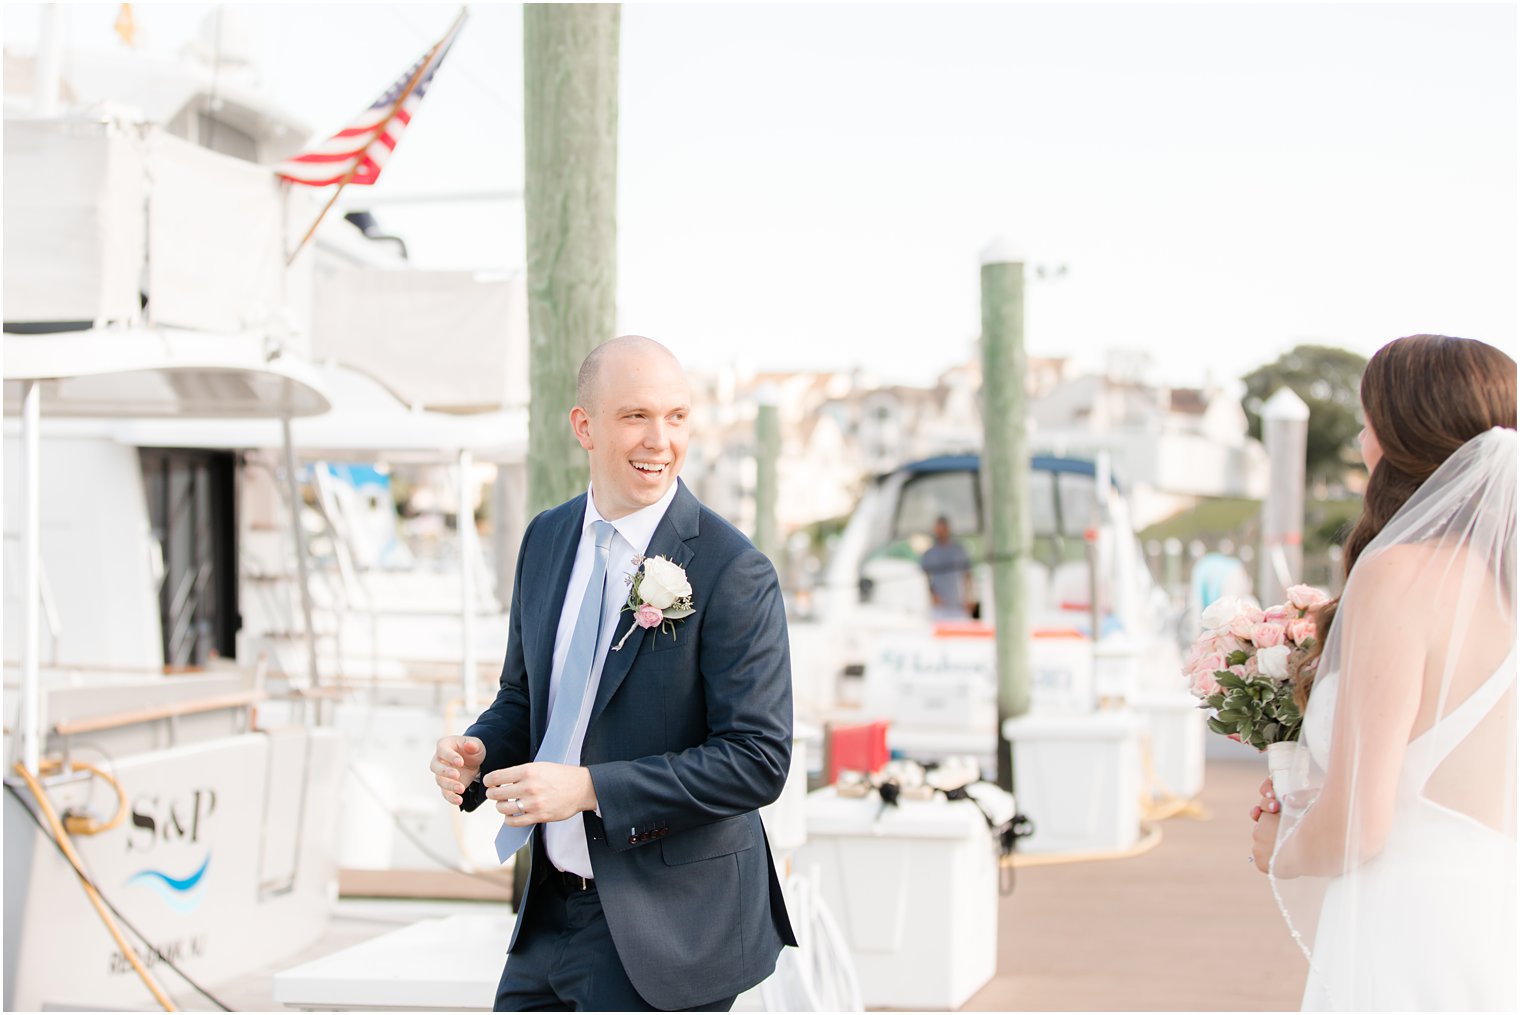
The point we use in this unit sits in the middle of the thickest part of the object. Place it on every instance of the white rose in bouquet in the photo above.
(1223, 610)
(1273, 662)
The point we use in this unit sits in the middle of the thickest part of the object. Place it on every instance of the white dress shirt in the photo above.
(565, 841)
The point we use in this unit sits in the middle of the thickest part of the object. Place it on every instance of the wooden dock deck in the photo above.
(1188, 926)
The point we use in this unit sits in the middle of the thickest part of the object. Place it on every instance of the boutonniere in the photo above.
(658, 595)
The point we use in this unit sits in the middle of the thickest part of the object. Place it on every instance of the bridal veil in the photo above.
(1396, 868)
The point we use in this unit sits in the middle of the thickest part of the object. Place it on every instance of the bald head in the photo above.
(632, 405)
(623, 349)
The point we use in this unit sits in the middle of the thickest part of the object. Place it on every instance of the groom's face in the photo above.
(635, 429)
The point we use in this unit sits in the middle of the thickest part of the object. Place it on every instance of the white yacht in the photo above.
(1099, 624)
(170, 378)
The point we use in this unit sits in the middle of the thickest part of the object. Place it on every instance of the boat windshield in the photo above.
(1062, 507)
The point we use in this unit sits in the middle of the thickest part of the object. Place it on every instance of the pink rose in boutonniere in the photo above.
(658, 595)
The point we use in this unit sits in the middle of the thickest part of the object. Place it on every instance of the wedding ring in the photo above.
(521, 810)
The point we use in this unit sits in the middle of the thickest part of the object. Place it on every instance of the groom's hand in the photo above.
(456, 763)
(540, 791)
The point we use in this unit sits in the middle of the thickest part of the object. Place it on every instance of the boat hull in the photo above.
(225, 864)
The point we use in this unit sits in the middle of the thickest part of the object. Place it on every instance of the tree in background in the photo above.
(1329, 381)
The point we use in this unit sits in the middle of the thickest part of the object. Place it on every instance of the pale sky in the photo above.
(809, 187)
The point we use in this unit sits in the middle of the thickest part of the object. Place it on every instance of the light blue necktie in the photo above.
(572, 681)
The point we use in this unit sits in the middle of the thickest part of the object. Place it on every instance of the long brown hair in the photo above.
(1425, 396)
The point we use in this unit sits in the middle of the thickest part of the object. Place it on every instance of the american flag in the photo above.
(356, 154)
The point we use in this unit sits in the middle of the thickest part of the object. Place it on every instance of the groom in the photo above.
(637, 764)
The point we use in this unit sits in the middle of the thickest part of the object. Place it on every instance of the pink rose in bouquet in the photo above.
(1266, 635)
(1304, 597)
(1201, 674)
(1301, 631)
(1244, 626)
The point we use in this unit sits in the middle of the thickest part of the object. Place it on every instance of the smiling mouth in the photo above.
(649, 468)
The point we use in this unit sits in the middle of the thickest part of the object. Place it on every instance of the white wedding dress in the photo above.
(1424, 925)
(1395, 864)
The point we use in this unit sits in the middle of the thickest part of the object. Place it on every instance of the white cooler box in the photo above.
(1078, 778)
(1175, 725)
(915, 891)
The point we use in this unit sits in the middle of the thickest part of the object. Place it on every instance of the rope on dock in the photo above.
(1150, 838)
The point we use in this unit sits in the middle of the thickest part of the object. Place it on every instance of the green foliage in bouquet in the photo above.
(1258, 709)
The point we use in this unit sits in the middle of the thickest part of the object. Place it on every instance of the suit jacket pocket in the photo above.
(721, 838)
(660, 641)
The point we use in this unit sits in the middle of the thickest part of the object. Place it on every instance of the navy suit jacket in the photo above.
(688, 736)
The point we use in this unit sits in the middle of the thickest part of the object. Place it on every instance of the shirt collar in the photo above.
(637, 528)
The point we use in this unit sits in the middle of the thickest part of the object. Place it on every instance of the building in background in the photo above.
(1169, 446)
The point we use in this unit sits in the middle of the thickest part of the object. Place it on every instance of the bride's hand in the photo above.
(1267, 803)
(1264, 835)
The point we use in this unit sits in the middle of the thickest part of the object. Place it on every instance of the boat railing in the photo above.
(136, 716)
(143, 707)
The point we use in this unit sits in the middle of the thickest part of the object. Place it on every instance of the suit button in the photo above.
(633, 840)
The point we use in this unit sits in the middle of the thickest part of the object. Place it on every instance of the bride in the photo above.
(1396, 870)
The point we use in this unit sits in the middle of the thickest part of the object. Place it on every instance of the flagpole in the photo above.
(380, 129)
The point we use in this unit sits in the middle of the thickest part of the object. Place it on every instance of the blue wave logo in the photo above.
(182, 894)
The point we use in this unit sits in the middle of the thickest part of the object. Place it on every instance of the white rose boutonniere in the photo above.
(658, 595)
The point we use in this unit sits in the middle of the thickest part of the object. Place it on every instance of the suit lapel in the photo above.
(566, 539)
(671, 541)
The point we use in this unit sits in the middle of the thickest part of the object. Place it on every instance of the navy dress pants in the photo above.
(565, 959)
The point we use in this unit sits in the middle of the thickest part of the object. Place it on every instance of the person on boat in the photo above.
(949, 570)
(1395, 866)
(644, 716)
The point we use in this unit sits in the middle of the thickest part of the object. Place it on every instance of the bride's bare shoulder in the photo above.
(1417, 561)
(1422, 580)
(1400, 565)
(1413, 579)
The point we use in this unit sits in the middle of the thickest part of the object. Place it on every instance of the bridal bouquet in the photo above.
(1239, 666)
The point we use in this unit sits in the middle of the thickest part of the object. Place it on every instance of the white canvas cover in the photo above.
(442, 340)
(365, 422)
(97, 211)
(74, 237)
(218, 232)
(159, 373)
